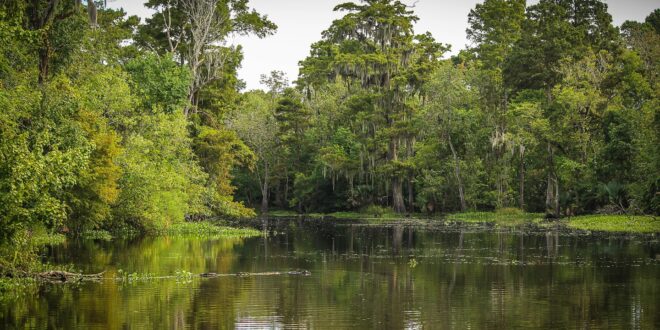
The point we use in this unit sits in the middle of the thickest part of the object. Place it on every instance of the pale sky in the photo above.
(301, 22)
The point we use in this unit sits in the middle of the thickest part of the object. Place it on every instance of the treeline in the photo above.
(551, 109)
(110, 123)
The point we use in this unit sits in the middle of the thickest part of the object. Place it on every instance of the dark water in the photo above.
(363, 277)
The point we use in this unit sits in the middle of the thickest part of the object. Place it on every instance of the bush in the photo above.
(376, 210)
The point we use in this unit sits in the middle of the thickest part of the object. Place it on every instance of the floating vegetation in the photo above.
(134, 277)
(615, 223)
(183, 276)
(206, 229)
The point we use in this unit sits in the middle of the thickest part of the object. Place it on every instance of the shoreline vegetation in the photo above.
(633, 224)
(135, 126)
(21, 267)
(19, 277)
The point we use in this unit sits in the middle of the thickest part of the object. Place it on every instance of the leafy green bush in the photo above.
(206, 229)
(376, 210)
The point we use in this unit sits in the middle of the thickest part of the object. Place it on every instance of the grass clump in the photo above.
(206, 229)
(614, 223)
(376, 211)
(369, 212)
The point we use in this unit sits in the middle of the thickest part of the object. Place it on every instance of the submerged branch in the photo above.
(58, 276)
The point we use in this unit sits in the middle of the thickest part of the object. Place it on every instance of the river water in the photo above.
(362, 277)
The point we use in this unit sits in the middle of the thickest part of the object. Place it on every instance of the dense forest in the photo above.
(552, 109)
(111, 122)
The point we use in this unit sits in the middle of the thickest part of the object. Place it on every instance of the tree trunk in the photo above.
(457, 173)
(521, 179)
(552, 191)
(264, 192)
(398, 203)
(286, 186)
(44, 63)
(411, 194)
(411, 187)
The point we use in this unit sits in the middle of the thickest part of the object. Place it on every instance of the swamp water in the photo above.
(362, 276)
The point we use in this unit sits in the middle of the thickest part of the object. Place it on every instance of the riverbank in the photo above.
(641, 224)
(200, 228)
(21, 259)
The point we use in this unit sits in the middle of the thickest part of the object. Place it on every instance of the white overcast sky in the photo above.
(301, 22)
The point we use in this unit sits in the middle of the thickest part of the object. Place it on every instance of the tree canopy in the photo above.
(109, 122)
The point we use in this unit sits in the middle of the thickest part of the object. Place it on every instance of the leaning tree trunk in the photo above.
(457, 173)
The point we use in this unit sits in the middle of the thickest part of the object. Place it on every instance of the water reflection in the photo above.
(362, 277)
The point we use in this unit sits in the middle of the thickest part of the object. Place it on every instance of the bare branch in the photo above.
(205, 57)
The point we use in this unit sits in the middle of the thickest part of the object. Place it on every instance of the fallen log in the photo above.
(58, 276)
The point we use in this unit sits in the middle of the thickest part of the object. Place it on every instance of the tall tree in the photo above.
(256, 125)
(60, 26)
(552, 32)
(494, 27)
(374, 44)
(196, 32)
(449, 99)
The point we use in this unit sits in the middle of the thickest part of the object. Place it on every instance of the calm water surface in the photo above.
(363, 277)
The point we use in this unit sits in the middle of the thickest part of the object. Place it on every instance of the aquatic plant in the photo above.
(206, 229)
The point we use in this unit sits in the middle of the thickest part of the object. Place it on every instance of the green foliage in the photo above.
(219, 152)
(161, 180)
(205, 229)
(90, 200)
(549, 110)
(43, 154)
(20, 254)
(494, 26)
(375, 210)
(159, 83)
